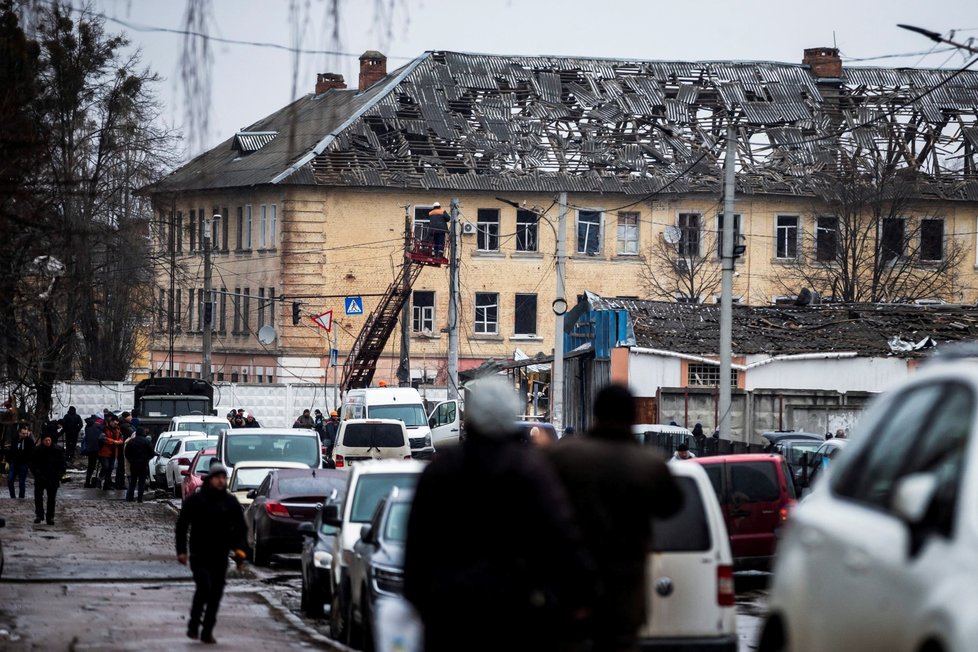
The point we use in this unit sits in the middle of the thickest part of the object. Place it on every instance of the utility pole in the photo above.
(404, 369)
(207, 306)
(559, 307)
(453, 304)
(726, 287)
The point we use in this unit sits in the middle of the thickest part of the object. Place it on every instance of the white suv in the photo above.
(690, 572)
(359, 440)
(881, 555)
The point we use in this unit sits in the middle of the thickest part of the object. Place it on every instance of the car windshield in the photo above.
(687, 530)
(372, 488)
(195, 445)
(203, 463)
(248, 479)
(303, 449)
(155, 408)
(795, 452)
(211, 429)
(412, 416)
(373, 435)
(397, 518)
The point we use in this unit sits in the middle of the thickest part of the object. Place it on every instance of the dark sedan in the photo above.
(284, 500)
(317, 558)
(792, 446)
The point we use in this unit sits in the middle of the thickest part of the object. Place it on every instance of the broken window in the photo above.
(526, 315)
(690, 225)
(707, 375)
(488, 232)
(423, 312)
(526, 230)
(787, 237)
(628, 233)
(893, 242)
(589, 232)
(486, 312)
(826, 238)
(932, 240)
(736, 238)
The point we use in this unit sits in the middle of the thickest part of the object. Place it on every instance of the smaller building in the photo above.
(807, 368)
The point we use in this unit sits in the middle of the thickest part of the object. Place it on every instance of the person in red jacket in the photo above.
(111, 442)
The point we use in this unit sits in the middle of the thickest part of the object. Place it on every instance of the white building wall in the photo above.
(842, 375)
(647, 373)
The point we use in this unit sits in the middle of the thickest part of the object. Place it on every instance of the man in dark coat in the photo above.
(438, 223)
(217, 527)
(139, 451)
(47, 465)
(90, 445)
(19, 458)
(331, 429)
(126, 429)
(616, 487)
(516, 582)
(72, 425)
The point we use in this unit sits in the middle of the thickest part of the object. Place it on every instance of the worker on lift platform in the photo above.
(438, 222)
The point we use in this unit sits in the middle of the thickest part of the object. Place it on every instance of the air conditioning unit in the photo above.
(468, 228)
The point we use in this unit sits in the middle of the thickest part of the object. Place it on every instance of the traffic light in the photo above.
(296, 317)
(208, 312)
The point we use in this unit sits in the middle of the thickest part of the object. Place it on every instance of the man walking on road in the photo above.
(47, 465)
(616, 487)
(20, 459)
(72, 425)
(217, 527)
(139, 451)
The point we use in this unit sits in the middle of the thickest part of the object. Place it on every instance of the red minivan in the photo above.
(755, 493)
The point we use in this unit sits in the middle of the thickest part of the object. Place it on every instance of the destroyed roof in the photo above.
(457, 121)
(866, 329)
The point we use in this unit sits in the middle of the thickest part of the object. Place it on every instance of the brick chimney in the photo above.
(373, 66)
(328, 80)
(824, 62)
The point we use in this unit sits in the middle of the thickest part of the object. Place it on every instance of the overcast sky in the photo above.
(250, 82)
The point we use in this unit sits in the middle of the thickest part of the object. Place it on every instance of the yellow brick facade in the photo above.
(341, 242)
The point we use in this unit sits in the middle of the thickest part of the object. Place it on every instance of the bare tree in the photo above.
(685, 271)
(873, 240)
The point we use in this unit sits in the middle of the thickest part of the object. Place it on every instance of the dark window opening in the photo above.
(893, 239)
(526, 230)
(826, 239)
(932, 240)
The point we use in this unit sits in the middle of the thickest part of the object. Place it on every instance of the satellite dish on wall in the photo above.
(266, 334)
(672, 235)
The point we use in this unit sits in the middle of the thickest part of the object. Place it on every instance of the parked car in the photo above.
(272, 445)
(369, 482)
(817, 463)
(690, 590)
(246, 477)
(359, 440)
(206, 424)
(193, 478)
(377, 566)
(881, 554)
(285, 499)
(402, 403)
(756, 494)
(165, 445)
(792, 446)
(317, 555)
(181, 457)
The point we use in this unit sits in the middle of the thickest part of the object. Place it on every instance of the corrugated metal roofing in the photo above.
(248, 142)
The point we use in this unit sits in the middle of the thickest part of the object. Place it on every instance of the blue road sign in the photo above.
(353, 305)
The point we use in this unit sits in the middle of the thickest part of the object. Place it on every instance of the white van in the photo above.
(401, 403)
(359, 440)
(690, 573)
(203, 423)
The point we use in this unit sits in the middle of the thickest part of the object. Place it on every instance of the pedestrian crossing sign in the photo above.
(354, 305)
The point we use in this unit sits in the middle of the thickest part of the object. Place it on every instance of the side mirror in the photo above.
(331, 515)
(365, 533)
(251, 495)
(913, 496)
(307, 529)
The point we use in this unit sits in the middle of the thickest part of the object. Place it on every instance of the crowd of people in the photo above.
(327, 427)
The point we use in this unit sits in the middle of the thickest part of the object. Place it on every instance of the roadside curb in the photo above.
(298, 624)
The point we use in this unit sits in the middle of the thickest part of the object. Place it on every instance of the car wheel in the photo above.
(367, 625)
(355, 633)
(177, 491)
(260, 555)
(339, 615)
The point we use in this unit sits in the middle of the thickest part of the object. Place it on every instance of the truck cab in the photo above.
(158, 400)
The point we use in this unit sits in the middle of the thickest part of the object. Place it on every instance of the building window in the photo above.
(271, 307)
(826, 238)
(178, 232)
(225, 230)
(192, 227)
(589, 232)
(263, 212)
(240, 225)
(191, 300)
(222, 324)
(261, 309)
(628, 233)
(247, 228)
(932, 240)
(423, 311)
(272, 219)
(525, 315)
(161, 312)
(488, 231)
(526, 230)
(690, 229)
(787, 237)
(200, 310)
(216, 229)
(161, 232)
(720, 233)
(246, 312)
(234, 376)
(236, 306)
(179, 301)
(707, 375)
(201, 225)
(893, 243)
(486, 312)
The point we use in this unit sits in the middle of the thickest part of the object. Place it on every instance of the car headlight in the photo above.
(427, 440)
(388, 579)
(322, 559)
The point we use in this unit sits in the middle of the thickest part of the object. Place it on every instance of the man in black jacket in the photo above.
(71, 423)
(47, 465)
(217, 527)
(20, 458)
(125, 427)
(139, 451)
(90, 445)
